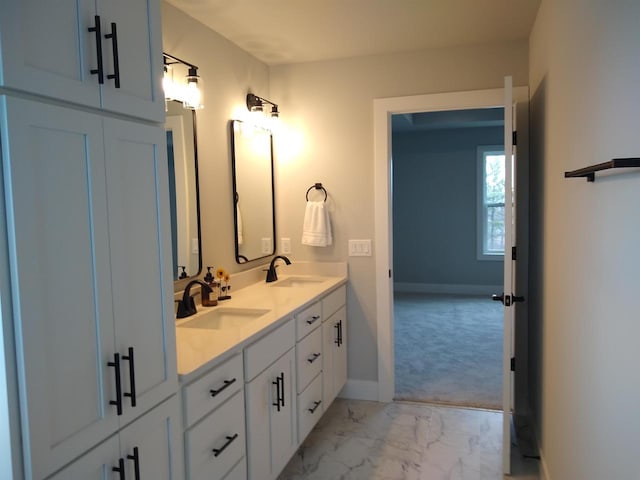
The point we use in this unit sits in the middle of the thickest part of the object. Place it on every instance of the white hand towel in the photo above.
(316, 229)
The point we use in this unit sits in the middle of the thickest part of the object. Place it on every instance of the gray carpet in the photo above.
(448, 349)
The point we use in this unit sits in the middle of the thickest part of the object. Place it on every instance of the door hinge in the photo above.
(514, 138)
(514, 253)
(513, 364)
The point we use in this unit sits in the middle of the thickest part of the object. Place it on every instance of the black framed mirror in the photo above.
(182, 157)
(253, 191)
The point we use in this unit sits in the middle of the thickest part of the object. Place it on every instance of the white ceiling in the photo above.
(293, 31)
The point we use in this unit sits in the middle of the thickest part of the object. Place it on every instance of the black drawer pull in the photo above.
(230, 439)
(136, 462)
(313, 357)
(116, 60)
(226, 384)
(132, 377)
(118, 401)
(120, 468)
(313, 319)
(316, 404)
(100, 70)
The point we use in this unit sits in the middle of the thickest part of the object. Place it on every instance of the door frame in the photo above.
(383, 108)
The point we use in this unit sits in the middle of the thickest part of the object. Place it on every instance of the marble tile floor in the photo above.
(360, 440)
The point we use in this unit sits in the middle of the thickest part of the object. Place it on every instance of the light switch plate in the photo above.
(360, 248)
(266, 245)
(285, 245)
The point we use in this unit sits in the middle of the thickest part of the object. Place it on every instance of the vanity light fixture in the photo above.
(188, 92)
(255, 105)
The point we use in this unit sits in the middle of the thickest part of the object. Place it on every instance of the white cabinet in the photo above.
(89, 257)
(334, 340)
(215, 442)
(147, 449)
(49, 50)
(271, 405)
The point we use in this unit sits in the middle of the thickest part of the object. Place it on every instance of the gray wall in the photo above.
(585, 307)
(435, 193)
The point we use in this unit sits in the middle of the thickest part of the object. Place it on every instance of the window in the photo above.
(491, 183)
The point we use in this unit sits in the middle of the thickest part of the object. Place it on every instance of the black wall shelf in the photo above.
(590, 172)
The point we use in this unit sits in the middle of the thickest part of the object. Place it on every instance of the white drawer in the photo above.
(212, 389)
(309, 358)
(332, 302)
(239, 472)
(308, 320)
(310, 408)
(261, 354)
(207, 456)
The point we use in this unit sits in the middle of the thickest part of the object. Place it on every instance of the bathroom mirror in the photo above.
(254, 217)
(180, 126)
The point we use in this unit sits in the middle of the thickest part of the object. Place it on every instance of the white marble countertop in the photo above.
(200, 349)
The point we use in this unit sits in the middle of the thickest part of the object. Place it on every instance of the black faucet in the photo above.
(187, 306)
(272, 276)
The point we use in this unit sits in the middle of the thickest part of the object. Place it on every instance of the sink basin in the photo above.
(224, 318)
(297, 281)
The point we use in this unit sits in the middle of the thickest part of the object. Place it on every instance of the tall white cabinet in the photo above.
(86, 200)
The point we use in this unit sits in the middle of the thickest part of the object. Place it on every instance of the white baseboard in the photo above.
(360, 390)
(458, 289)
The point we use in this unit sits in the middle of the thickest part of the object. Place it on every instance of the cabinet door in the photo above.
(140, 243)
(334, 349)
(54, 174)
(139, 46)
(47, 48)
(271, 430)
(95, 465)
(153, 443)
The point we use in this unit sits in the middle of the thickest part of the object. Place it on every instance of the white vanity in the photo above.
(258, 371)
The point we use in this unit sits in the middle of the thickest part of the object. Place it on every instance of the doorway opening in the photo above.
(448, 249)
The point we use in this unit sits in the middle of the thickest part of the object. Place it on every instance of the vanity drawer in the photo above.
(309, 358)
(332, 302)
(308, 320)
(310, 407)
(212, 389)
(208, 438)
(258, 356)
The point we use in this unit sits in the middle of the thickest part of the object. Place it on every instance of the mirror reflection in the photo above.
(180, 126)
(252, 162)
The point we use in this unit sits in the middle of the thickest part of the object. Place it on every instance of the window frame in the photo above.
(481, 152)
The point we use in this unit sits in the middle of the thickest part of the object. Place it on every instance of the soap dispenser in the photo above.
(208, 278)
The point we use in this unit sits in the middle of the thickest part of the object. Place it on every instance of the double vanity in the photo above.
(258, 370)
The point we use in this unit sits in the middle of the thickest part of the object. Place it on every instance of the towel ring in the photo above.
(317, 186)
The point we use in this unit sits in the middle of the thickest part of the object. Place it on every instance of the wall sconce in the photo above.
(256, 104)
(189, 91)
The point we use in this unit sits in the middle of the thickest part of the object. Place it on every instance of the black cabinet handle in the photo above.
(100, 70)
(136, 462)
(230, 439)
(279, 383)
(116, 60)
(338, 327)
(120, 468)
(313, 319)
(118, 401)
(316, 404)
(226, 384)
(313, 357)
(132, 377)
(282, 387)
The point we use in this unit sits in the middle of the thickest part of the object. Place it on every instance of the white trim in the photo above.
(360, 390)
(544, 470)
(383, 108)
(447, 288)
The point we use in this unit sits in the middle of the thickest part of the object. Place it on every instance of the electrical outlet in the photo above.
(285, 245)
